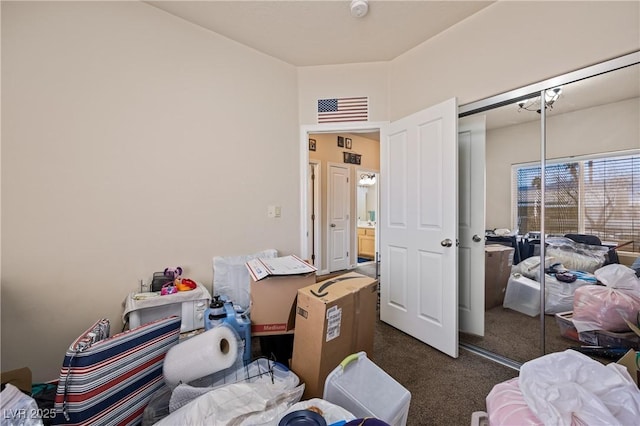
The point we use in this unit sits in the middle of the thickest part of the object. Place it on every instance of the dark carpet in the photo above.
(444, 390)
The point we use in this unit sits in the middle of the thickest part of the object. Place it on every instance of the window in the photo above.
(598, 195)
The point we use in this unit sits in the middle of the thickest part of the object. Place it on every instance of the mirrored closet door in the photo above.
(549, 147)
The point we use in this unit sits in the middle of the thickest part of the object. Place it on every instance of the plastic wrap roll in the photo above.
(207, 353)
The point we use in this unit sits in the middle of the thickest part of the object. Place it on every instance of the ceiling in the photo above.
(308, 32)
(312, 33)
(614, 86)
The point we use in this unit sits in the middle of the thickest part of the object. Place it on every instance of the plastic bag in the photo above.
(618, 276)
(18, 408)
(261, 370)
(236, 404)
(568, 386)
(576, 256)
(598, 307)
(559, 295)
(158, 406)
(530, 267)
(231, 277)
(506, 406)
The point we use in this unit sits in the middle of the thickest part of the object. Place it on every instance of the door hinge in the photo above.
(347, 254)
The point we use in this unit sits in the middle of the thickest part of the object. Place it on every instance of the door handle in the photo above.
(476, 238)
(333, 225)
(446, 243)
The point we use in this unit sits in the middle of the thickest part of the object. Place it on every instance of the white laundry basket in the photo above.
(361, 387)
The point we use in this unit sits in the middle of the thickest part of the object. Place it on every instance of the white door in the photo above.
(338, 217)
(471, 214)
(419, 226)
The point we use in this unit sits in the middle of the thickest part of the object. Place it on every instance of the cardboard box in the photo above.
(20, 378)
(335, 318)
(498, 260)
(273, 286)
(629, 360)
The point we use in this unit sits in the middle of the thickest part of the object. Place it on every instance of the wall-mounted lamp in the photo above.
(534, 104)
(367, 179)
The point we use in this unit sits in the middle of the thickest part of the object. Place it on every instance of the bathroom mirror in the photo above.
(367, 213)
(590, 113)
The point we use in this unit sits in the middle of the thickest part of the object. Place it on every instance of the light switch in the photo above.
(273, 211)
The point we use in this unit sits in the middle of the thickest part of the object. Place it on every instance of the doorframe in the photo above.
(305, 131)
(316, 205)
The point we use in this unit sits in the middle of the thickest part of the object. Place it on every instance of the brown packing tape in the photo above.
(356, 321)
(326, 284)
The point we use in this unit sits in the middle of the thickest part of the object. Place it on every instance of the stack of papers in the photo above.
(287, 265)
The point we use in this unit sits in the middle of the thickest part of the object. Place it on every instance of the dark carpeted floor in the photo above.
(444, 390)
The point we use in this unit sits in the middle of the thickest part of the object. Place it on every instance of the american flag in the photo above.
(343, 109)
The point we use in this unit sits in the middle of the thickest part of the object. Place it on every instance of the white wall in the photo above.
(509, 45)
(606, 128)
(336, 81)
(131, 141)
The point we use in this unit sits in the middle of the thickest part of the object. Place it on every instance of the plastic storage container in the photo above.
(568, 330)
(628, 340)
(361, 387)
(522, 295)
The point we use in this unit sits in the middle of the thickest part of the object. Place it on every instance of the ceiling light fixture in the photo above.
(367, 179)
(359, 8)
(534, 104)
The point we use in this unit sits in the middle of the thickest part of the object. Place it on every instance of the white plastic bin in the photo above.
(522, 295)
(361, 387)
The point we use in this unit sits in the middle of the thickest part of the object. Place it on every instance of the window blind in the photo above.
(598, 196)
(612, 199)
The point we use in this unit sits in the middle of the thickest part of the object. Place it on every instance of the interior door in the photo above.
(471, 216)
(419, 226)
(338, 217)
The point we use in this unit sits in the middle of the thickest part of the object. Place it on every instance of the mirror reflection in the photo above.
(367, 213)
(591, 194)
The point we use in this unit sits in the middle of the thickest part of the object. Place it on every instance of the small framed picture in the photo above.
(358, 159)
(312, 144)
(340, 141)
(347, 143)
(346, 157)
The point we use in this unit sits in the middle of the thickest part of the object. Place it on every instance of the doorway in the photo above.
(320, 145)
